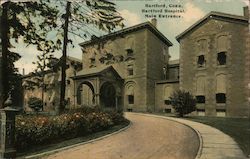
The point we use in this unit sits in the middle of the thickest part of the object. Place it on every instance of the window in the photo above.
(220, 98)
(200, 99)
(220, 112)
(129, 52)
(201, 112)
(130, 99)
(201, 61)
(92, 61)
(167, 110)
(167, 102)
(222, 58)
(130, 70)
(130, 93)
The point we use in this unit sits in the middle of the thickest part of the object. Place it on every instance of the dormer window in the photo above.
(222, 58)
(201, 61)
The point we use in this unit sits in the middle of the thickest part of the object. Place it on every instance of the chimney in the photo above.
(154, 22)
(246, 11)
(23, 71)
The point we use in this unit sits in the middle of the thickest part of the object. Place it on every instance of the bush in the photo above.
(35, 103)
(183, 102)
(32, 130)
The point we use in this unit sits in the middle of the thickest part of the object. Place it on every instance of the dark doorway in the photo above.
(108, 95)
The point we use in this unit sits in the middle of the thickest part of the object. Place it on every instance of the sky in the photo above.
(131, 11)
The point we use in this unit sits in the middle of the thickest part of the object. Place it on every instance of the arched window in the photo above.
(130, 94)
(202, 49)
(221, 88)
(222, 43)
(200, 90)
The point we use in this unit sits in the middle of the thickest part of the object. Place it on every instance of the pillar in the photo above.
(7, 136)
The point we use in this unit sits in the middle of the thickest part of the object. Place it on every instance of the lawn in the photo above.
(237, 128)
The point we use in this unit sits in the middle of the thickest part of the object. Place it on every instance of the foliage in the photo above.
(183, 102)
(76, 20)
(29, 22)
(35, 103)
(39, 130)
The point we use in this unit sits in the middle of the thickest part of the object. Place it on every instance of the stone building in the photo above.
(120, 69)
(51, 93)
(130, 69)
(214, 64)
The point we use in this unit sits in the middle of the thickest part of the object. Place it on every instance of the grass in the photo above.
(237, 128)
(41, 149)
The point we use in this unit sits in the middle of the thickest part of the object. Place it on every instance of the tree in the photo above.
(19, 19)
(100, 13)
(44, 63)
(183, 102)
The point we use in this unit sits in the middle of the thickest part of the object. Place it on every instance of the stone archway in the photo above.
(85, 94)
(108, 95)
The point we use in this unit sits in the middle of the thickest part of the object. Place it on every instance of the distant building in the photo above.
(52, 80)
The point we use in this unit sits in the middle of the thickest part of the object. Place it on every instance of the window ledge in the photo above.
(221, 66)
(201, 68)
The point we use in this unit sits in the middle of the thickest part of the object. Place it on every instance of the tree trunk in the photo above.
(4, 85)
(63, 59)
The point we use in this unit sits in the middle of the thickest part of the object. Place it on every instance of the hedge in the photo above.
(32, 130)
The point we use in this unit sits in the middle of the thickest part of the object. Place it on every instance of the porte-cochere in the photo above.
(99, 87)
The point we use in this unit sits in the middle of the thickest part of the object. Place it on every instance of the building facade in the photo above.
(137, 54)
(51, 92)
(214, 64)
(130, 69)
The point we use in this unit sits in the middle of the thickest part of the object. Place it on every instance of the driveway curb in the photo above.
(214, 144)
(79, 144)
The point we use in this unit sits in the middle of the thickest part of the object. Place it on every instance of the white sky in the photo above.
(131, 11)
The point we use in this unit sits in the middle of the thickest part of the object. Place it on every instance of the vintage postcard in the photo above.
(130, 79)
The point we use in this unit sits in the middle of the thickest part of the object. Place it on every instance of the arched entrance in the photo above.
(85, 94)
(108, 95)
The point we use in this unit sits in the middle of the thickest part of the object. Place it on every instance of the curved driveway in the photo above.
(147, 138)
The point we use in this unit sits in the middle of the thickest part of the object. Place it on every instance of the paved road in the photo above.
(147, 138)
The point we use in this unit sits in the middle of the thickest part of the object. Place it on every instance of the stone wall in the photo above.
(234, 70)
(163, 90)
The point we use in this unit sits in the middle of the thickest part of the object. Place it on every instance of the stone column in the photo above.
(7, 131)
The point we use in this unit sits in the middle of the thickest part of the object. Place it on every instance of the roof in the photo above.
(144, 25)
(95, 71)
(214, 15)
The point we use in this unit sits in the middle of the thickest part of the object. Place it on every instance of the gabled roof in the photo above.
(95, 71)
(134, 28)
(214, 15)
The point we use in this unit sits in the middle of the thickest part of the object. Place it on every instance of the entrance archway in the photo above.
(85, 94)
(108, 95)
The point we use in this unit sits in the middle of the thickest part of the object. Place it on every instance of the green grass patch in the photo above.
(237, 128)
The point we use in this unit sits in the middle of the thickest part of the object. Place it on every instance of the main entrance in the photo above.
(99, 87)
(108, 95)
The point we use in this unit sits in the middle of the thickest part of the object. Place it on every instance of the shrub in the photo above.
(35, 103)
(183, 102)
(32, 130)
